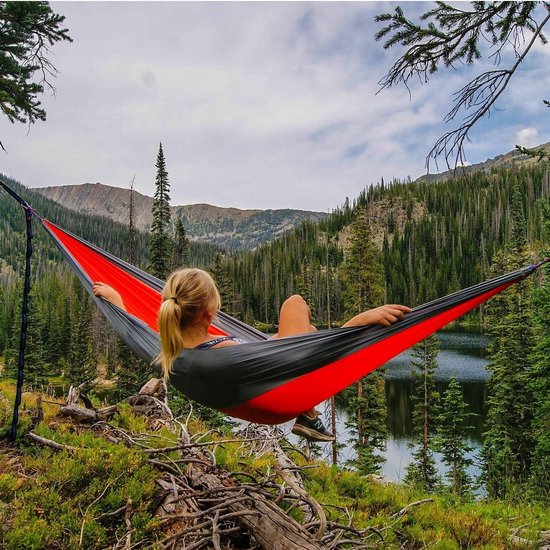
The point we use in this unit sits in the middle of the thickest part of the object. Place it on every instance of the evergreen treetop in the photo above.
(160, 244)
(27, 31)
(448, 35)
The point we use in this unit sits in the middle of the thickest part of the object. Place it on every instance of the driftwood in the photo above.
(288, 471)
(404, 510)
(85, 414)
(78, 413)
(35, 438)
(157, 388)
(544, 540)
(150, 401)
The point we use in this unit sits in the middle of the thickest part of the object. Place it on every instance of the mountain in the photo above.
(99, 230)
(231, 228)
(507, 160)
(228, 227)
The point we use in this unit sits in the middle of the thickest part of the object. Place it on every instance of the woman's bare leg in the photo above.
(295, 318)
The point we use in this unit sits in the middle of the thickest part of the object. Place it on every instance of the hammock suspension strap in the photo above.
(29, 212)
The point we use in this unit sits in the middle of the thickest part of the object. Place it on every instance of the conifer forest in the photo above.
(398, 242)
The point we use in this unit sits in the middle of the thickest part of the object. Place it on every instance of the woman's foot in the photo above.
(311, 428)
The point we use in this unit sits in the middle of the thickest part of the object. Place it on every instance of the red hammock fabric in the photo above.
(303, 393)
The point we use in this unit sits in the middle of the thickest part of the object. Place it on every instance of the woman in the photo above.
(190, 301)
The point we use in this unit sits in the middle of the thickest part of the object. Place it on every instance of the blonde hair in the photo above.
(187, 295)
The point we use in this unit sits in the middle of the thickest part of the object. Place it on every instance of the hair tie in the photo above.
(174, 298)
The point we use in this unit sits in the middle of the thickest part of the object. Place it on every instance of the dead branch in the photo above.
(128, 523)
(404, 510)
(49, 443)
(85, 514)
(202, 506)
(184, 446)
(290, 473)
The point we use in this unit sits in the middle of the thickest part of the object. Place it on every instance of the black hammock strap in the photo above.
(29, 212)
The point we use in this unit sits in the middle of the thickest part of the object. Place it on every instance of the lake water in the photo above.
(462, 356)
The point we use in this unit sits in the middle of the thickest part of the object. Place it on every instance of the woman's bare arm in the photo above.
(109, 293)
(383, 315)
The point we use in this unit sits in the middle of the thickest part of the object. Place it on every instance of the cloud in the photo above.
(528, 137)
(258, 105)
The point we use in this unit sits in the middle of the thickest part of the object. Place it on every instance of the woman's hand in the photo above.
(109, 293)
(383, 315)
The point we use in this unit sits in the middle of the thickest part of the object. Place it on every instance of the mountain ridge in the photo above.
(505, 160)
(232, 228)
(229, 227)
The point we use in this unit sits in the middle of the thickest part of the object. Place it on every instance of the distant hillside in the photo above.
(434, 237)
(105, 233)
(228, 227)
(507, 160)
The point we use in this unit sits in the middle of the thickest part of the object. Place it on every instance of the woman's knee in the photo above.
(296, 301)
(295, 316)
(296, 304)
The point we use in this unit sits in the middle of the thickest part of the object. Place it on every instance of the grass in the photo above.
(53, 499)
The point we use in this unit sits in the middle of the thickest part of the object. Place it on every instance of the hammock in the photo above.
(265, 381)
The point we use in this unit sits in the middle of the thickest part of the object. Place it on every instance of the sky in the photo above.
(257, 105)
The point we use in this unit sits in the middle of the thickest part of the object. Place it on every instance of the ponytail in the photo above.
(187, 294)
(171, 341)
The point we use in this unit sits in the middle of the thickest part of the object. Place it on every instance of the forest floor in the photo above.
(133, 477)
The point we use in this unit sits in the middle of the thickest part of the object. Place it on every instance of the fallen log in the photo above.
(78, 413)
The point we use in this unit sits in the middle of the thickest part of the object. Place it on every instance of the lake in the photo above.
(462, 356)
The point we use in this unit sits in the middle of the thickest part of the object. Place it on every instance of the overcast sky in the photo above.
(257, 105)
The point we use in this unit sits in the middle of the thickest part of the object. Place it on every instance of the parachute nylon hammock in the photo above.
(265, 381)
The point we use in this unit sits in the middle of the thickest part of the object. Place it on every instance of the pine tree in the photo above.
(539, 384)
(305, 284)
(130, 371)
(363, 289)
(29, 30)
(11, 349)
(508, 441)
(451, 438)
(7, 314)
(131, 243)
(225, 285)
(36, 364)
(361, 273)
(367, 422)
(36, 368)
(160, 244)
(180, 250)
(81, 366)
(425, 404)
